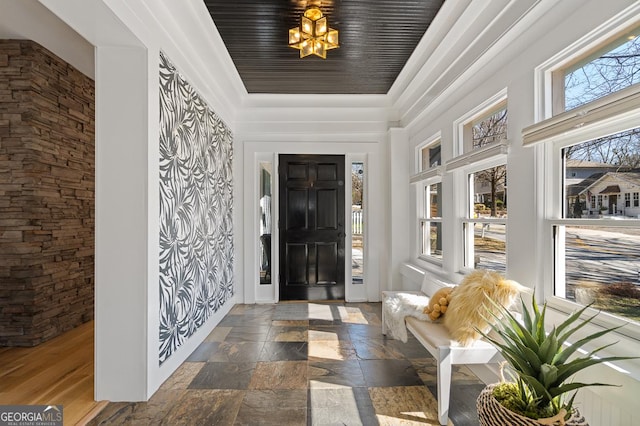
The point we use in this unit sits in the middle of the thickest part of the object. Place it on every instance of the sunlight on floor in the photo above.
(351, 315)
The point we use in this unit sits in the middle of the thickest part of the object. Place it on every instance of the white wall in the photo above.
(510, 64)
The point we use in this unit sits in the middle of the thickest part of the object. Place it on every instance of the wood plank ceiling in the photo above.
(376, 39)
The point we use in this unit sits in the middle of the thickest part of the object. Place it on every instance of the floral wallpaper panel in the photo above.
(196, 206)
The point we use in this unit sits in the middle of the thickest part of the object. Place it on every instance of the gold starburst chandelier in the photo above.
(313, 36)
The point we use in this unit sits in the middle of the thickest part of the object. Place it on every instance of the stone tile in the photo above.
(284, 351)
(280, 375)
(203, 352)
(224, 375)
(181, 378)
(287, 334)
(291, 312)
(367, 308)
(290, 323)
(324, 312)
(273, 407)
(389, 372)
(335, 374)
(315, 322)
(376, 349)
(218, 334)
(406, 405)
(428, 372)
(205, 407)
(412, 349)
(462, 402)
(237, 352)
(266, 310)
(343, 406)
(328, 332)
(243, 321)
(248, 334)
(365, 332)
(151, 412)
(351, 315)
(336, 350)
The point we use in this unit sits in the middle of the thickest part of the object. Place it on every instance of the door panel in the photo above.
(327, 216)
(312, 239)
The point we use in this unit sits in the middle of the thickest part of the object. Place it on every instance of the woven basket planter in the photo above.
(492, 413)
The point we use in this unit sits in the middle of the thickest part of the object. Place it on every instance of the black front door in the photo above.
(312, 236)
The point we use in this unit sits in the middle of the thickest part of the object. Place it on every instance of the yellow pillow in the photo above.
(468, 304)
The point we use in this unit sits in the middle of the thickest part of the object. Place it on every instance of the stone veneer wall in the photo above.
(47, 169)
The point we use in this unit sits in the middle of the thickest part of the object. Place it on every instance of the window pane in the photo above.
(432, 239)
(613, 68)
(601, 177)
(430, 156)
(265, 223)
(433, 209)
(357, 222)
(489, 192)
(431, 231)
(490, 129)
(601, 265)
(489, 246)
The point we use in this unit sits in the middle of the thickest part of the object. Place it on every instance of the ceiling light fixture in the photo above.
(313, 36)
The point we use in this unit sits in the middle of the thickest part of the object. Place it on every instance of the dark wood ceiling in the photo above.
(376, 39)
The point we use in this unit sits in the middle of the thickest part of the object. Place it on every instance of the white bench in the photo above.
(435, 337)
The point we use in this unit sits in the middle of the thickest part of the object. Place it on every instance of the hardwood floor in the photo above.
(59, 371)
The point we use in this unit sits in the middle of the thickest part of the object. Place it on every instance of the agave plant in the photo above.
(544, 363)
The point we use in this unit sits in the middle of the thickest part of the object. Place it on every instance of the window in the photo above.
(486, 127)
(597, 260)
(431, 221)
(429, 155)
(357, 222)
(428, 200)
(485, 225)
(591, 261)
(265, 225)
(636, 200)
(484, 219)
(608, 69)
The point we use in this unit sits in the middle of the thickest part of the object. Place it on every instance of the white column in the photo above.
(122, 184)
(399, 217)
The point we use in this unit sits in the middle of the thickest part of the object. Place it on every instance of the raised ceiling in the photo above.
(376, 39)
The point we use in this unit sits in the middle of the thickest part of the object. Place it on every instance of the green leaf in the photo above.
(548, 374)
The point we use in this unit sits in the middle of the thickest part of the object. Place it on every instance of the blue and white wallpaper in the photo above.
(196, 205)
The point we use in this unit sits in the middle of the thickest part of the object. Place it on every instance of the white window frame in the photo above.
(424, 219)
(461, 125)
(467, 221)
(613, 113)
(423, 178)
(429, 143)
(471, 161)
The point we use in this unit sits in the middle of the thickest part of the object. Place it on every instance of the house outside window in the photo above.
(595, 258)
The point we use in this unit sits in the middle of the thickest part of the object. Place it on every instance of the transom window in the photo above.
(608, 69)
(429, 156)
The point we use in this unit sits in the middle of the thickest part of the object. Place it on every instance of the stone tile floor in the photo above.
(302, 364)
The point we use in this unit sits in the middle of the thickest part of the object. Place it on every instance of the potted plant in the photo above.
(542, 365)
